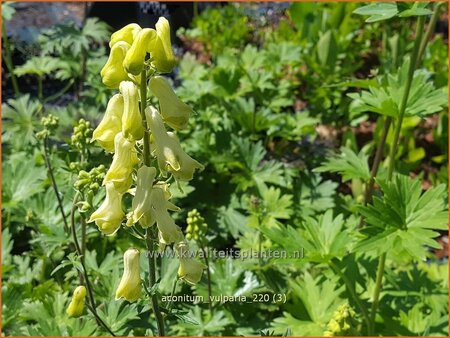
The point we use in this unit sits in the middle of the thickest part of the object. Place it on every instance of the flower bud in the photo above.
(190, 269)
(113, 72)
(174, 112)
(125, 158)
(161, 52)
(111, 124)
(76, 305)
(135, 58)
(132, 127)
(109, 215)
(126, 34)
(169, 153)
(130, 285)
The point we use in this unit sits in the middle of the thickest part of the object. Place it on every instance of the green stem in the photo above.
(208, 274)
(149, 236)
(152, 281)
(428, 33)
(99, 321)
(404, 102)
(54, 184)
(59, 93)
(169, 305)
(8, 61)
(40, 90)
(398, 127)
(352, 291)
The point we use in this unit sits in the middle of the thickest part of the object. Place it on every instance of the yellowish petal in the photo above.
(111, 124)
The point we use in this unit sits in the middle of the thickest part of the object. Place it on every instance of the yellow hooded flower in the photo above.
(161, 52)
(143, 42)
(132, 127)
(174, 112)
(169, 153)
(190, 269)
(130, 285)
(109, 215)
(126, 34)
(142, 198)
(111, 124)
(113, 72)
(125, 158)
(76, 305)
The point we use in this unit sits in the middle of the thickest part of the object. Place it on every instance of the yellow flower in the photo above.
(174, 112)
(161, 52)
(130, 285)
(76, 306)
(113, 72)
(190, 269)
(125, 158)
(142, 199)
(169, 153)
(143, 42)
(126, 34)
(109, 215)
(111, 124)
(132, 127)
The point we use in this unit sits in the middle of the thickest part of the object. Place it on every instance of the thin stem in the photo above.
(59, 93)
(83, 236)
(352, 291)
(412, 67)
(428, 33)
(377, 160)
(85, 274)
(376, 294)
(8, 61)
(149, 236)
(54, 184)
(40, 92)
(169, 305)
(208, 274)
(404, 102)
(152, 281)
(102, 323)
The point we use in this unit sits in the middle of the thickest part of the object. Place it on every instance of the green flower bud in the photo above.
(135, 58)
(126, 34)
(130, 285)
(109, 215)
(174, 112)
(113, 72)
(161, 52)
(76, 305)
(132, 127)
(169, 153)
(111, 124)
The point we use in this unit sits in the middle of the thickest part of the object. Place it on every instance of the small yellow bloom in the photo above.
(111, 124)
(142, 199)
(161, 52)
(134, 60)
(113, 72)
(174, 112)
(126, 34)
(132, 127)
(109, 215)
(169, 153)
(190, 269)
(130, 285)
(76, 306)
(124, 160)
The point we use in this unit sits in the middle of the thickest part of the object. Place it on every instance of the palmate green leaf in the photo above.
(404, 220)
(8, 10)
(316, 195)
(349, 164)
(319, 296)
(205, 323)
(39, 66)
(18, 122)
(386, 99)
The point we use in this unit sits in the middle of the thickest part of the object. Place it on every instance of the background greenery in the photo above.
(289, 105)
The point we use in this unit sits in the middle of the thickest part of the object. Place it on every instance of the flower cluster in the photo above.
(341, 322)
(136, 137)
(50, 124)
(196, 226)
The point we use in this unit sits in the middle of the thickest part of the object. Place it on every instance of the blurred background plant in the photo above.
(290, 104)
